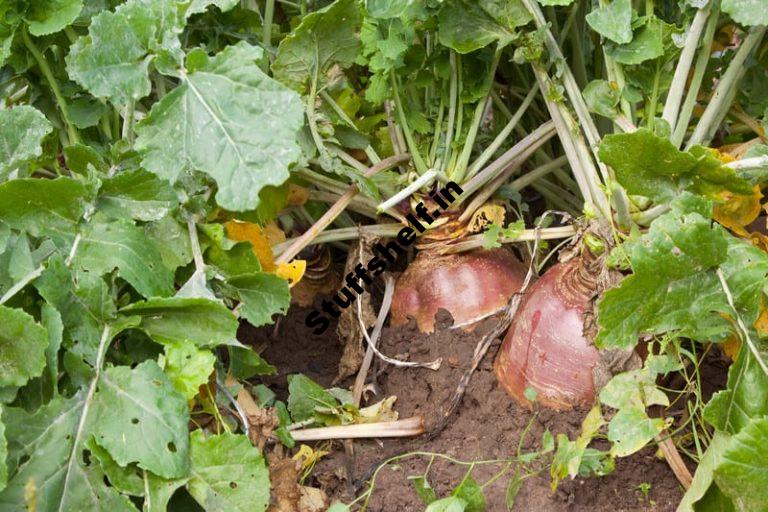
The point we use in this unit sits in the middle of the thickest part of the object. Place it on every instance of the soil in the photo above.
(488, 425)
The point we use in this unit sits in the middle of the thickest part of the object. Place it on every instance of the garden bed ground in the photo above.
(488, 425)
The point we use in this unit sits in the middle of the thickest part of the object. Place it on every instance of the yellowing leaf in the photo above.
(380, 411)
(292, 271)
(489, 213)
(308, 457)
(736, 211)
(731, 347)
(274, 234)
(761, 324)
(253, 233)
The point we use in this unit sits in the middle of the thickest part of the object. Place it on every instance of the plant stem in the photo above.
(503, 134)
(702, 61)
(266, 33)
(130, 111)
(453, 95)
(676, 90)
(529, 235)
(335, 210)
(719, 105)
(401, 428)
(418, 161)
(74, 136)
(422, 181)
(338, 235)
(531, 176)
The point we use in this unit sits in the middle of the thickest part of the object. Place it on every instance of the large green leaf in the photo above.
(137, 194)
(121, 245)
(229, 120)
(46, 447)
(468, 25)
(746, 12)
(112, 61)
(22, 347)
(324, 38)
(743, 471)
(263, 295)
(204, 322)
(139, 417)
(49, 16)
(613, 21)
(675, 287)
(22, 130)
(43, 207)
(228, 474)
(306, 397)
(652, 166)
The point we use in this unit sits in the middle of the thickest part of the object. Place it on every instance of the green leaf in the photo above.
(513, 489)
(495, 232)
(187, 367)
(137, 194)
(674, 286)
(744, 398)
(49, 16)
(238, 260)
(204, 322)
(53, 324)
(648, 165)
(613, 21)
(124, 479)
(262, 295)
(172, 239)
(228, 474)
(423, 489)
(743, 471)
(121, 245)
(22, 130)
(112, 61)
(199, 126)
(245, 363)
(472, 494)
(43, 207)
(85, 305)
(22, 347)
(647, 44)
(602, 98)
(86, 112)
(54, 459)
(139, 417)
(631, 429)
(468, 25)
(305, 396)
(746, 12)
(449, 504)
(327, 37)
(703, 478)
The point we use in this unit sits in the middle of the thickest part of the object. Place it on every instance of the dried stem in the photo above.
(357, 389)
(676, 463)
(401, 428)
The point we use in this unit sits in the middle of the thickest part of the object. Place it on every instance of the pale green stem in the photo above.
(718, 106)
(42, 63)
(418, 161)
(677, 89)
(503, 134)
(681, 125)
(453, 95)
(422, 181)
(266, 33)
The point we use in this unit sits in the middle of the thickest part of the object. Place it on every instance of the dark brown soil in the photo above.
(488, 425)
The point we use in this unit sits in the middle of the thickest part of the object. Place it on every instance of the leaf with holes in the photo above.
(139, 417)
(228, 474)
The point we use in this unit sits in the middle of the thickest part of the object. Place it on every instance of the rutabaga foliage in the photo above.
(117, 174)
